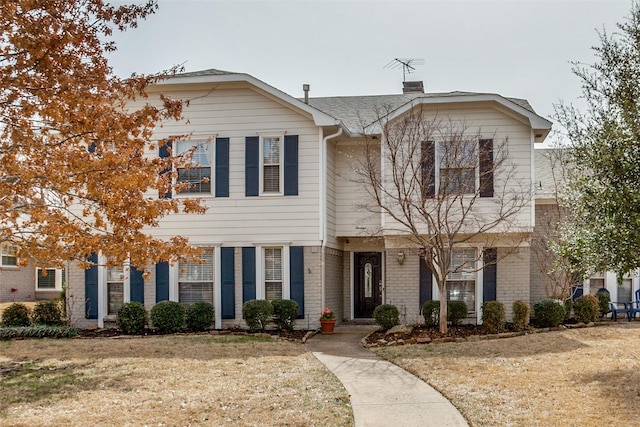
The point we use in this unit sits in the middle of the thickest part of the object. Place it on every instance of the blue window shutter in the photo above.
(91, 288)
(222, 167)
(136, 286)
(162, 281)
(485, 148)
(489, 274)
(164, 151)
(92, 149)
(227, 276)
(248, 274)
(252, 166)
(291, 165)
(426, 282)
(296, 276)
(428, 169)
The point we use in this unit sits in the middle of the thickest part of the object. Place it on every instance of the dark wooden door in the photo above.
(367, 283)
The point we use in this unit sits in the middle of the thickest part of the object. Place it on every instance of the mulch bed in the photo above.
(295, 336)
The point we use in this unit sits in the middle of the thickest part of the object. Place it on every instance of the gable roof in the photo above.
(361, 112)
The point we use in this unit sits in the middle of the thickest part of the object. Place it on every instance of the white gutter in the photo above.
(324, 233)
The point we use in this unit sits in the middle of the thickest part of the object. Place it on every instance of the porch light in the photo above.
(400, 257)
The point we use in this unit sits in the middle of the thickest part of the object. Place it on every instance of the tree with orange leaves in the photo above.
(74, 176)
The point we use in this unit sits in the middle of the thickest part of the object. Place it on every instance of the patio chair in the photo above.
(617, 309)
(634, 306)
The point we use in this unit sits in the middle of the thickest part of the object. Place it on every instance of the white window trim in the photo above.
(103, 307)
(260, 280)
(58, 280)
(261, 191)
(204, 139)
(174, 280)
(2, 255)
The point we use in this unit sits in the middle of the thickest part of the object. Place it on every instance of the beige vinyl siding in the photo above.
(237, 219)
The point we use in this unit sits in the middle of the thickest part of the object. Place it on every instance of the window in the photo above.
(596, 282)
(461, 280)
(49, 279)
(457, 167)
(198, 175)
(9, 255)
(195, 280)
(273, 273)
(624, 290)
(115, 289)
(271, 165)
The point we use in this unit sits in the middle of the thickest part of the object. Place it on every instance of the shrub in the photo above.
(16, 314)
(199, 316)
(521, 315)
(493, 316)
(586, 308)
(456, 311)
(604, 298)
(47, 313)
(257, 313)
(39, 331)
(131, 318)
(285, 313)
(168, 317)
(431, 312)
(549, 312)
(386, 315)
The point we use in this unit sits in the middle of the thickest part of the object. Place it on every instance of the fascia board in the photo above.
(319, 118)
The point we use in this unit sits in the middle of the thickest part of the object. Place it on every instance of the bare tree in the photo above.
(558, 271)
(443, 186)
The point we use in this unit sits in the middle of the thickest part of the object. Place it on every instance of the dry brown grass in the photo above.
(170, 380)
(579, 377)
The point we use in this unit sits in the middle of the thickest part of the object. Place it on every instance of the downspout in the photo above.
(324, 233)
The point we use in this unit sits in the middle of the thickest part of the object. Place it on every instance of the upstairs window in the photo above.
(9, 255)
(457, 167)
(271, 161)
(198, 175)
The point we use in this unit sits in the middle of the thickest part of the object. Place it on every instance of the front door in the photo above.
(367, 283)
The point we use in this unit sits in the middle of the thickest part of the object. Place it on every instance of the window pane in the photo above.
(192, 272)
(273, 264)
(271, 179)
(115, 297)
(273, 290)
(464, 290)
(48, 281)
(195, 292)
(115, 274)
(624, 291)
(462, 265)
(271, 151)
(9, 254)
(199, 179)
(595, 284)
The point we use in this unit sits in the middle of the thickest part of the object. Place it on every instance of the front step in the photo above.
(356, 322)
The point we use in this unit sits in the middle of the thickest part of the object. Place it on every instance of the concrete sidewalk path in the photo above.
(382, 394)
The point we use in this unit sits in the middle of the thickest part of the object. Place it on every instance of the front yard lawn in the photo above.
(578, 377)
(167, 380)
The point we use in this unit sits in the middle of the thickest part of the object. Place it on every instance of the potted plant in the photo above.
(327, 321)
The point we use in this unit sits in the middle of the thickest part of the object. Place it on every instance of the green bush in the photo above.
(285, 313)
(431, 313)
(521, 315)
(16, 314)
(199, 316)
(549, 312)
(167, 317)
(493, 316)
(39, 331)
(257, 313)
(586, 308)
(47, 313)
(386, 315)
(604, 298)
(131, 318)
(456, 311)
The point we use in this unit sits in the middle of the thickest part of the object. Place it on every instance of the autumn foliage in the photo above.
(78, 172)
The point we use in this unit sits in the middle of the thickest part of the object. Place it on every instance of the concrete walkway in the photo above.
(382, 394)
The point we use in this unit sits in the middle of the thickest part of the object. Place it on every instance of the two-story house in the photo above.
(278, 178)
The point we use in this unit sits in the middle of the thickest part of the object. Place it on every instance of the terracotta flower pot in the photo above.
(326, 326)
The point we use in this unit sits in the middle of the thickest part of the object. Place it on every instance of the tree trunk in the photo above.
(443, 307)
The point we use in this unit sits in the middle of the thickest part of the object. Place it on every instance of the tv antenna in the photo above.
(407, 65)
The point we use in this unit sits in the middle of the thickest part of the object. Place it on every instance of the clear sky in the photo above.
(515, 48)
